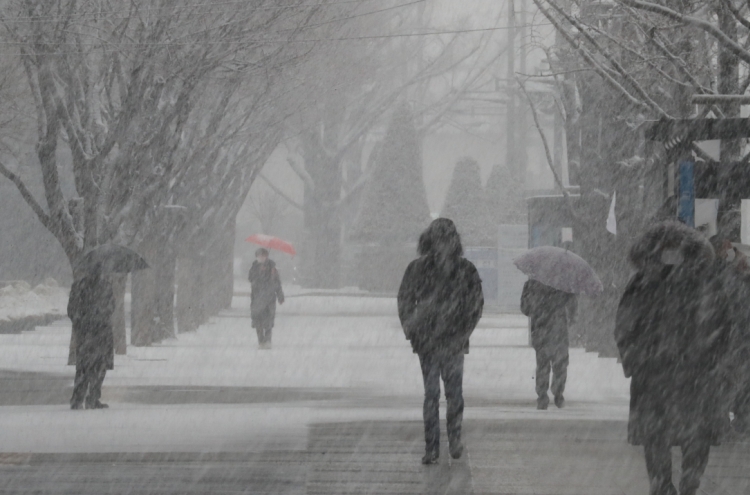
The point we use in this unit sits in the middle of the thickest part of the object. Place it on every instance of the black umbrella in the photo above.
(110, 258)
(560, 269)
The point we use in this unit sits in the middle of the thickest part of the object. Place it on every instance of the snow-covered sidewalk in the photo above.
(22, 307)
(364, 359)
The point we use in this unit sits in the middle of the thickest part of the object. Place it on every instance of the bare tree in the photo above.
(364, 80)
(156, 104)
(617, 66)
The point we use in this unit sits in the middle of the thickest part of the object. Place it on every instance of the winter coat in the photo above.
(266, 290)
(90, 308)
(735, 284)
(439, 308)
(673, 333)
(551, 311)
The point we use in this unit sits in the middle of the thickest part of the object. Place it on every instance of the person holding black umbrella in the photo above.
(90, 308)
(440, 301)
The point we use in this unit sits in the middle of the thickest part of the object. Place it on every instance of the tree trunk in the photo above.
(190, 310)
(728, 82)
(119, 281)
(143, 310)
(226, 287)
(164, 272)
(730, 149)
(322, 257)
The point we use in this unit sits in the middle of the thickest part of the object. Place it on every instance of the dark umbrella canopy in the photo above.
(110, 258)
(560, 269)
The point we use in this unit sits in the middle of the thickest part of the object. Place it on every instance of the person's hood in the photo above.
(670, 240)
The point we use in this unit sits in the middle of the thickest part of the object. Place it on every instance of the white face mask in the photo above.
(730, 255)
(671, 257)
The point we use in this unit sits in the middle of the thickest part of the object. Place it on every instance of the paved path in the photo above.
(334, 408)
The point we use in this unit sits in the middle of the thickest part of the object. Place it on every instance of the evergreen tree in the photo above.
(505, 197)
(394, 208)
(465, 205)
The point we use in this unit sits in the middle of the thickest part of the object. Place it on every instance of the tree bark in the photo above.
(164, 272)
(143, 311)
(728, 83)
(119, 282)
(190, 304)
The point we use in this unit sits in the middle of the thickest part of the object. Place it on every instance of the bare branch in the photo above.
(618, 67)
(706, 26)
(281, 193)
(302, 173)
(589, 59)
(27, 196)
(547, 153)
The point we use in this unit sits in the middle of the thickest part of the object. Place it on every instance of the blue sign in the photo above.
(686, 208)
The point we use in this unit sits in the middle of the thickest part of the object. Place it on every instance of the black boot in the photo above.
(430, 457)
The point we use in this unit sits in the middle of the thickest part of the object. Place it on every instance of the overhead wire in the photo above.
(306, 40)
(108, 14)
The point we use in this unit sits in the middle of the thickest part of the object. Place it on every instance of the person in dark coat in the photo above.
(731, 273)
(265, 291)
(672, 333)
(90, 307)
(551, 311)
(440, 301)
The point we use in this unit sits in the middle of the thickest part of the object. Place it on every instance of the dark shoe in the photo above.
(97, 405)
(456, 450)
(76, 406)
(430, 458)
(560, 401)
(542, 403)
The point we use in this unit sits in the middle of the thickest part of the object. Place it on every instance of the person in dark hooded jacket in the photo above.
(265, 291)
(440, 302)
(90, 307)
(672, 333)
(731, 273)
(551, 311)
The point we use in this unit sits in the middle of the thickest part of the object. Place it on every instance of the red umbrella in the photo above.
(271, 242)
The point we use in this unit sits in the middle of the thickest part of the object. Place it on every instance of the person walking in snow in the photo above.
(672, 332)
(732, 276)
(551, 312)
(265, 291)
(440, 301)
(90, 307)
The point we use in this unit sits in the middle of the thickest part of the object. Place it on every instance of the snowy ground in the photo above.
(333, 359)
(19, 300)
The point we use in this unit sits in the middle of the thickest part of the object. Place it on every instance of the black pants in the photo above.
(555, 357)
(88, 383)
(659, 465)
(264, 335)
(451, 368)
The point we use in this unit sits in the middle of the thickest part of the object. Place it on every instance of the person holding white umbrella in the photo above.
(549, 299)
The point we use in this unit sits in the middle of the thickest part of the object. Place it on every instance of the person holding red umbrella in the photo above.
(265, 291)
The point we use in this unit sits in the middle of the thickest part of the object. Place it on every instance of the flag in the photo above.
(611, 218)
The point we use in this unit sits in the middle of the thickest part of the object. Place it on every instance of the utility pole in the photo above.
(522, 154)
(510, 112)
